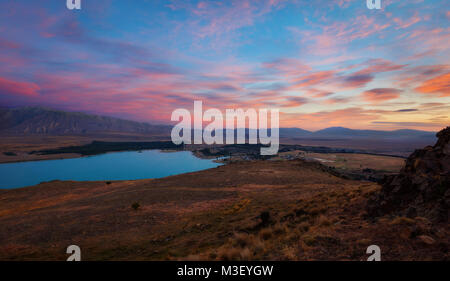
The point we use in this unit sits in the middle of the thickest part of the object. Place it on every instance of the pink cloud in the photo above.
(217, 18)
(333, 38)
(401, 24)
(378, 66)
(13, 87)
(6, 44)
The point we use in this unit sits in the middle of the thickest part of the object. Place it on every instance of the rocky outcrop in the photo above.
(423, 186)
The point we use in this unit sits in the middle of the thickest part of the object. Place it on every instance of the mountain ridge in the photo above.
(342, 132)
(42, 120)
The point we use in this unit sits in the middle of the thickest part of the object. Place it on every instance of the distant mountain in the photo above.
(38, 120)
(336, 131)
(343, 133)
(294, 132)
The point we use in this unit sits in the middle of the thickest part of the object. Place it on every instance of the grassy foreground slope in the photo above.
(258, 210)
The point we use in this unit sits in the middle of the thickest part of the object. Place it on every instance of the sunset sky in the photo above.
(322, 63)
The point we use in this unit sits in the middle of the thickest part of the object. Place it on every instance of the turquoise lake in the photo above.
(126, 165)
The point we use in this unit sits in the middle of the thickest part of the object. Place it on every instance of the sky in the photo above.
(322, 63)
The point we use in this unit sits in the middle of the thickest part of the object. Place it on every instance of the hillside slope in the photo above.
(37, 120)
(260, 210)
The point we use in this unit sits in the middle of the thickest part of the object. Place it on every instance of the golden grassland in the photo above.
(253, 210)
(352, 161)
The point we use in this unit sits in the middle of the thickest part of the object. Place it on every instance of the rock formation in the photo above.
(422, 188)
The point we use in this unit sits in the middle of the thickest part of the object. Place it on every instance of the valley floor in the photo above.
(252, 210)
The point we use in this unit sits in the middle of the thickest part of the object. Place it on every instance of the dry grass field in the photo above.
(258, 210)
(355, 161)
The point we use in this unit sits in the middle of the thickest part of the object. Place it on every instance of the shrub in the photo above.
(265, 217)
(135, 206)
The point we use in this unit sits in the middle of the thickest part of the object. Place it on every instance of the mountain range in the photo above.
(344, 133)
(39, 120)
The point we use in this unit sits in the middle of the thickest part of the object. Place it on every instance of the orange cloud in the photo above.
(416, 75)
(437, 85)
(314, 79)
(381, 94)
(358, 118)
